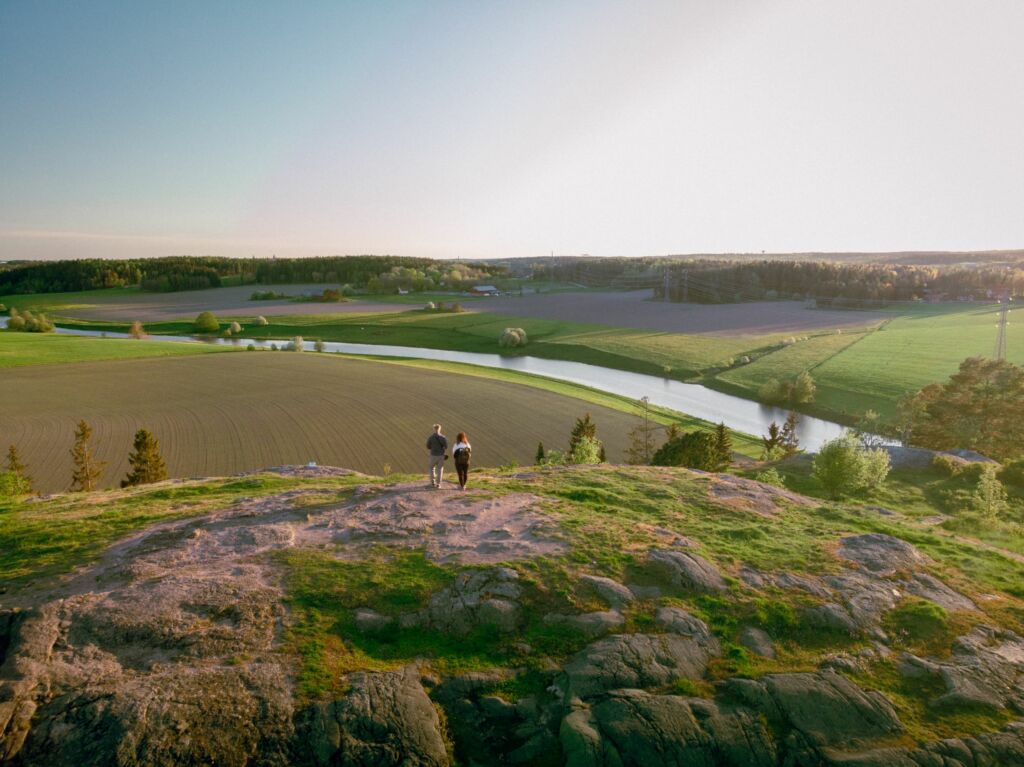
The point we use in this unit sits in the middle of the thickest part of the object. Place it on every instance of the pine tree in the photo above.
(772, 442)
(146, 463)
(16, 467)
(585, 427)
(723, 448)
(790, 442)
(87, 469)
(540, 456)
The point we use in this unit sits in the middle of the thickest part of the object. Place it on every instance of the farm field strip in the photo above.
(20, 349)
(222, 414)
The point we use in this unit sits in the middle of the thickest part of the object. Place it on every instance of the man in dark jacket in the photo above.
(437, 444)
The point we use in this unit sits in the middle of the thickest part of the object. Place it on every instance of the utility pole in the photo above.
(664, 290)
(686, 285)
(1004, 320)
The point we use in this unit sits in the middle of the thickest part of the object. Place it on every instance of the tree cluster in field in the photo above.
(145, 463)
(699, 449)
(512, 337)
(29, 322)
(840, 283)
(442, 308)
(980, 408)
(378, 274)
(799, 391)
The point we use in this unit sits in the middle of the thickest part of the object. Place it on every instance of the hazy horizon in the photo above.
(485, 130)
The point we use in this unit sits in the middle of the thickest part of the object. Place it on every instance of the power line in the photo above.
(1004, 316)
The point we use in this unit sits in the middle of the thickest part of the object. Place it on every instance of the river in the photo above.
(693, 399)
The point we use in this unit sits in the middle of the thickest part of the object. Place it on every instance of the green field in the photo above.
(21, 349)
(856, 370)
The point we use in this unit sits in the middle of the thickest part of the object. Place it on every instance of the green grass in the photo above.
(651, 352)
(921, 347)
(19, 349)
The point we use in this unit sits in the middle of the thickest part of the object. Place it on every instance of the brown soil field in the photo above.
(233, 301)
(634, 309)
(222, 414)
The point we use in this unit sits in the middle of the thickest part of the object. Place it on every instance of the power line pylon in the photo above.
(1004, 317)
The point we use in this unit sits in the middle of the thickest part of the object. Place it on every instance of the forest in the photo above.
(705, 280)
(173, 273)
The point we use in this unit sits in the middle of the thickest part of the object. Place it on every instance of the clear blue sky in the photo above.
(514, 128)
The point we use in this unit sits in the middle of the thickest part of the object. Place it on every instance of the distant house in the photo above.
(484, 290)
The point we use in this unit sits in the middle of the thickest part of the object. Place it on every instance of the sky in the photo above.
(485, 129)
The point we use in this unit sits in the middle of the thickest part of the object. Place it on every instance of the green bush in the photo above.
(13, 485)
(512, 337)
(947, 464)
(989, 501)
(586, 450)
(845, 467)
(694, 450)
(206, 322)
(771, 476)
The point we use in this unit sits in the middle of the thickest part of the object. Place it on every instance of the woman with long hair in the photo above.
(462, 453)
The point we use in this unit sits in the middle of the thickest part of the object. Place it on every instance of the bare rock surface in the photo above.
(589, 624)
(476, 598)
(750, 495)
(687, 570)
(880, 553)
(986, 668)
(633, 728)
(637, 661)
(385, 719)
(468, 528)
(612, 592)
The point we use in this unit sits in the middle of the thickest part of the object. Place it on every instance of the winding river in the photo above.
(693, 399)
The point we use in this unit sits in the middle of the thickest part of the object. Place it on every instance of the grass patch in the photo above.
(22, 349)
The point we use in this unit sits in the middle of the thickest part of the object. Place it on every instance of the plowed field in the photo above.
(226, 413)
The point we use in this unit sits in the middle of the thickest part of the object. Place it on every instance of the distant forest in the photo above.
(851, 283)
(372, 273)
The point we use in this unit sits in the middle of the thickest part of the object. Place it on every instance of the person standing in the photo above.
(462, 453)
(437, 444)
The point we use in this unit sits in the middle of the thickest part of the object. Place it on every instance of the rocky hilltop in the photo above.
(583, 617)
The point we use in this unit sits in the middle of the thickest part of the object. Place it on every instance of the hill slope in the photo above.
(578, 616)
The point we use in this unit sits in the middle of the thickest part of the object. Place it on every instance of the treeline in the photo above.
(158, 274)
(705, 280)
(173, 273)
(837, 283)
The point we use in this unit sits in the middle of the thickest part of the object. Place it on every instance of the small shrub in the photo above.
(319, 345)
(206, 322)
(587, 450)
(250, 348)
(804, 389)
(296, 345)
(512, 337)
(3, 308)
(235, 328)
(947, 464)
(13, 485)
(16, 323)
(845, 467)
(555, 458)
(137, 331)
(771, 477)
(261, 321)
(989, 501)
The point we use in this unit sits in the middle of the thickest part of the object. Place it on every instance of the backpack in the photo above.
(462, 455)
